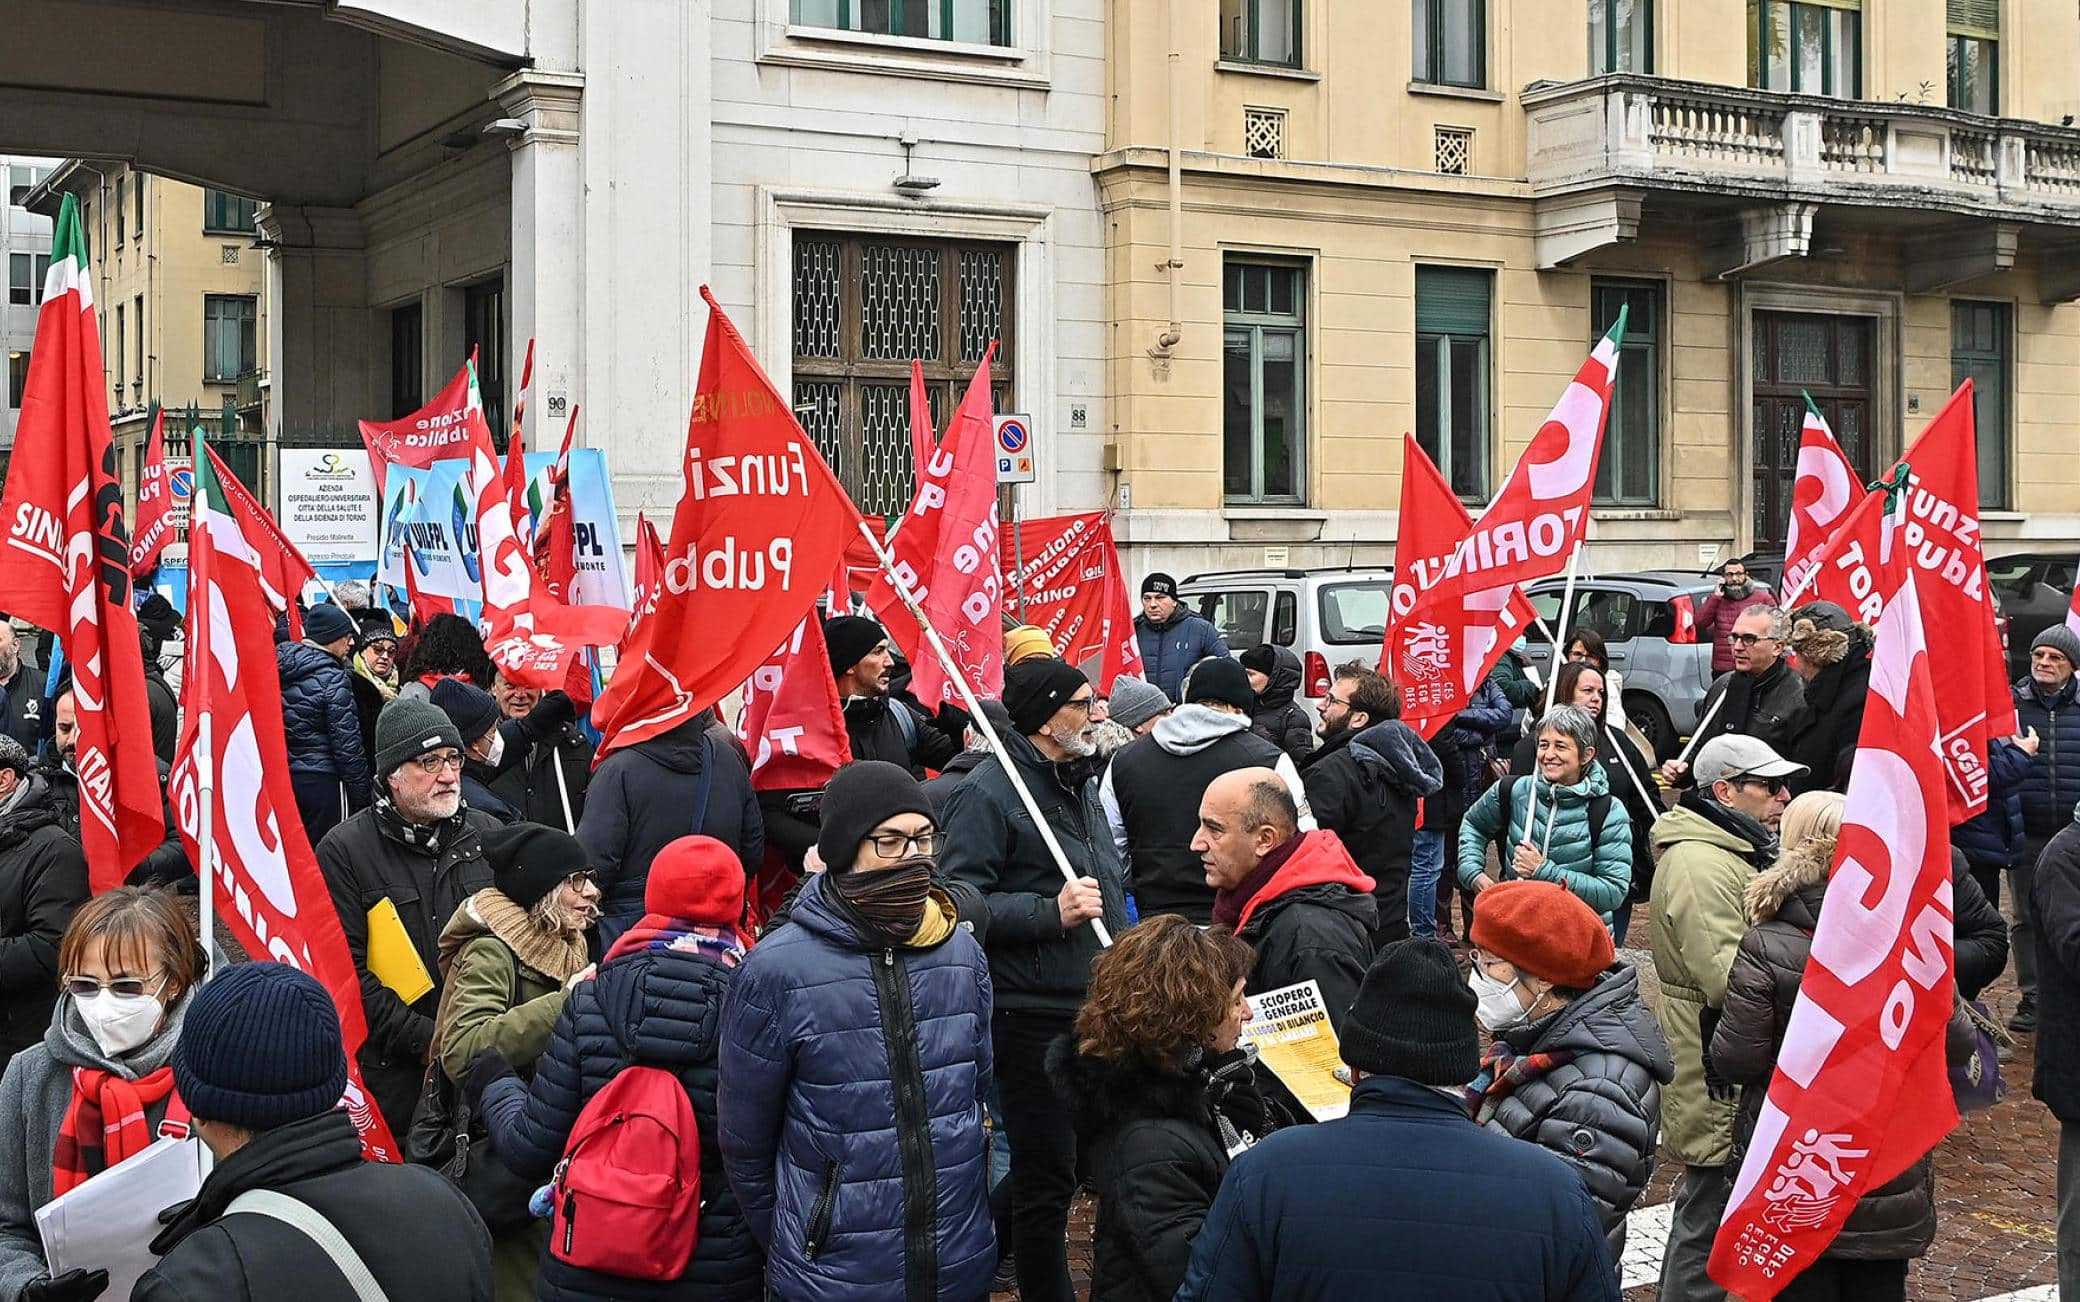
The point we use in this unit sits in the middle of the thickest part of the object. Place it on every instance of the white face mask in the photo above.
(498, 747)
(119, 1023)
(1499, 1009)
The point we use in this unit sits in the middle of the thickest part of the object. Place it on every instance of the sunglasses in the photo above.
(82, 987)
(1749, 639)
(1774, 786)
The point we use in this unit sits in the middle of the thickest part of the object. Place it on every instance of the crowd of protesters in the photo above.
(625, 1065)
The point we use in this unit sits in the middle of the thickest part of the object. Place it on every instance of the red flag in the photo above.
(555, 544)
(757, 533)
(282, 565)
(517, 443)
(1861, 1090)
(437, 431)
(946, 551)
(1930, 526)
(1439, 647)
(649, 572)
(922, 441)
(1073, 588)
(1826, 490)
(793, 722)
(265, 880)
(68, 561)
(154, 503)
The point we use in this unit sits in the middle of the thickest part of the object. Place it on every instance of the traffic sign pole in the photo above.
(1018, 555)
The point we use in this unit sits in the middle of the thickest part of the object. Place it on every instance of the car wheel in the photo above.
(1651, 718)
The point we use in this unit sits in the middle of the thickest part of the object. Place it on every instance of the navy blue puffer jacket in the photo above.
(1175, 645)
(1993, 837)
(851, 1126)
(319, 718)
(662, 1007)
(2053, 781)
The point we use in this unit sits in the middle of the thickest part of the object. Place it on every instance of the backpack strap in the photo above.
(304, 1218)
(906, 723)
(1599, 810)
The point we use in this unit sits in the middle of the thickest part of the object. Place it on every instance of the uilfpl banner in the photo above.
(793, 722)
(154, 502)
(1072, 587)
(435, 506)
(1824, 492)
(601, 577)
(1861, 1089)
(435, 432)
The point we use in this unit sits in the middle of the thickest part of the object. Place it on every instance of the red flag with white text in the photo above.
(436, 432)
(68, 561)
(265, 880)
(793, 721)
(649, 580)
(154, 503)
(757, 534)
(1823, 494)
(946, 550)
(1861, 1090)
(923, 442)
(1072, 587)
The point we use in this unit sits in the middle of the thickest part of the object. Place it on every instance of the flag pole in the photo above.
(996, 743)
(1574, 565)
(563, 791)
(199, 670)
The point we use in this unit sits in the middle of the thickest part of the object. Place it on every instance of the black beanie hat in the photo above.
(1217, 678)
(1035, 689)
(1263, 658)
(408, 728)
(1413, 1017)
(326, 623)
(158, 615)
(850, 638)
(1160, 584)
(527, 860)
(469, 706)
(862, 796)
(260, 1047)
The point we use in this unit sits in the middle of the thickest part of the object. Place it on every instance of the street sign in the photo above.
(1015, 449)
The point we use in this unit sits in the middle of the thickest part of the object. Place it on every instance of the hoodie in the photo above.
(1151, 794)
(1277, 719)
(1366, 787)
(1312, 921)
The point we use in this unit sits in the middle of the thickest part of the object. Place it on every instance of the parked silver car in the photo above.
(1327, 617)
(1648, 622)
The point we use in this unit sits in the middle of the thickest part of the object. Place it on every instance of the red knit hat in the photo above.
(699, 879)
(1542, 930)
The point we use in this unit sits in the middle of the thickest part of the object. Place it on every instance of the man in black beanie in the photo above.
(1172, 638)
(1039, 940)
(1405, 1177)
(260, 1064)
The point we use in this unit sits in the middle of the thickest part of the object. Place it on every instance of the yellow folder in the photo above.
(392, 958)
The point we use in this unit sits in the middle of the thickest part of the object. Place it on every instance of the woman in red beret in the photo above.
(1576, 1062)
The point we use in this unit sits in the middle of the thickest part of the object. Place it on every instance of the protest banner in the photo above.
(437, 431)
(1290, 1030)
(1074, 590)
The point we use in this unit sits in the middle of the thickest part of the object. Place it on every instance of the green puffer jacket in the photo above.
(490, 999)
(1601, 878)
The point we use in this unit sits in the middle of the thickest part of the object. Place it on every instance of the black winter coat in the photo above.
(641, 799)
(22, 706)
(368, 704)
(319, 718)
(2057, 902)
(1994, 837)
(166, 865)
(1981, 932)
(165, 711)
(939, 790)
(662, 1008)
(878, 732)
(414, 1230)
(365, 861)
(529, 787)
(43, 880)
(1156, 1157)
(1277, 718)
(1313, 921)
(1825, 737)
(1366, 786)
(2052, 784)
(993, 846)
(1768, 708)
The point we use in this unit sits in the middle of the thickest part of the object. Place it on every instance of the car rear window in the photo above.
(1237, 615)
(1355, 614)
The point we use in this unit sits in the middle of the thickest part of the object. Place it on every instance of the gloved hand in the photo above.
(72, 1286)
(486, 1067)
(952, 720)
(1715, 1084)
(550, 716)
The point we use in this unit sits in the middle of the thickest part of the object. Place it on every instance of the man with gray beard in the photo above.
(21, 692)
(405, 863)
(1039, 940)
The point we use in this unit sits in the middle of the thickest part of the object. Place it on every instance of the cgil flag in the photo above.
(793, 721)
(1825, 491)
(436, 432)
(1860, 1090)
(649, 572)
(264, 879)
(1073, 588)
(154, 503)
(67, 561)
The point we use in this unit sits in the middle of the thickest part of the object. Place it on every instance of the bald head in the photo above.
(1244, 816)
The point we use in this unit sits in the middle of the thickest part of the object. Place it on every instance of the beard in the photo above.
(436, 806)
(1074, 741)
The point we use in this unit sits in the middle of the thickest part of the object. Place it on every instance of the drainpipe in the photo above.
(1169, 338)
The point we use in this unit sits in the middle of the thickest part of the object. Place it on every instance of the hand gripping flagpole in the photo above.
(996, 743)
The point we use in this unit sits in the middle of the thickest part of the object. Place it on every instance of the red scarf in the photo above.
(105, 1123)
(1228, 906)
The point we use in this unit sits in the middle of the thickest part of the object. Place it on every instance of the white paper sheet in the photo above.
(109, 1222)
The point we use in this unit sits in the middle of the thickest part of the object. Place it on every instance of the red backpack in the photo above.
(628, 1192)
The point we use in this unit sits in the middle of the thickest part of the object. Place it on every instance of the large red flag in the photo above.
(436, 432)
(649, 580)
(1822, 496)
(68, 561)
(154, 503)
(756, 536)
(282, 564)
(1072, 587)
(1861, 1090)
(1929, 526)
(923, 442)
(945, 549)
(793, 722)
(555, 542)
(1444, 648)
(263, 877)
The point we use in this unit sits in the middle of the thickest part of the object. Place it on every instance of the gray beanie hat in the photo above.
(2062, 640)
(1134, 702)
(408, 728)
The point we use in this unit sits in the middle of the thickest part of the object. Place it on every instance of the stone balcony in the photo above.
(1598, 149)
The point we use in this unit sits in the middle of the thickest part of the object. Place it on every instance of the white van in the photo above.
(1327, 617)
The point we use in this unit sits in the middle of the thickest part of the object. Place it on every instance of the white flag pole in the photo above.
(1574, 565)
(996, 743)
(563, 790)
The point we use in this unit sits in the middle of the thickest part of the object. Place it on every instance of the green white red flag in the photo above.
(67, 561)
(232, 757)
(1825, 490)
(154, 503)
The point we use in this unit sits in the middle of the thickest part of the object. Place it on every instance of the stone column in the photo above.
(548, 243)
(319, 331)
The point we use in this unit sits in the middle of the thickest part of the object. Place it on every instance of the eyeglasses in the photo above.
(84, 987)
(1774, 786)
(1082, 703)
(582, 877)
(434, 763)
(1749, 639)
(894, 845)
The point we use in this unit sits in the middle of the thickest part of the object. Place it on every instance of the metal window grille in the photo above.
(1264, 132)
(1455, 151)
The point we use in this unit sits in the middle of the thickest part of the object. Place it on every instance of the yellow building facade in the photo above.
(1329, 223)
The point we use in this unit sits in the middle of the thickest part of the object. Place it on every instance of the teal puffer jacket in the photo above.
(1600, 879)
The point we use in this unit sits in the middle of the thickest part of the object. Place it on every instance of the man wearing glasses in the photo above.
(1720, 834)
(397, 871)
(1764, 699)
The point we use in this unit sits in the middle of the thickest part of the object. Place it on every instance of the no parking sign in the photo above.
(1015, 449)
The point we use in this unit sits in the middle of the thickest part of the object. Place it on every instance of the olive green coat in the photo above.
(488, 1008)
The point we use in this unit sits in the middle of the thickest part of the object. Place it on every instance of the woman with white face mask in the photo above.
(99, 1088)
(1576, 1062)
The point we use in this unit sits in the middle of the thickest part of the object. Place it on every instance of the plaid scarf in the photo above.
(1503, 1070)
(659, 931)
(104, 1124)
